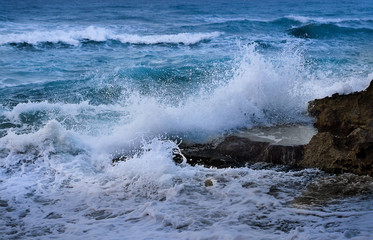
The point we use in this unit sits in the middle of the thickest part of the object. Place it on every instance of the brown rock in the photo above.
(209, 183)
(341, 114)
(344, 142)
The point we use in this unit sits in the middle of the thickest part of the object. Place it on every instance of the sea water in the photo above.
(83, 82)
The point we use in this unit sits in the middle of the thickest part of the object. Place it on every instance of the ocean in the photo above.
(84, 82)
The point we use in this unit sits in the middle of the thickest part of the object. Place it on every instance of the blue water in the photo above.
(83, 82)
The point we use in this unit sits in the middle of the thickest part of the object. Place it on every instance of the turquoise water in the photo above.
(84, 82)
(282, 54)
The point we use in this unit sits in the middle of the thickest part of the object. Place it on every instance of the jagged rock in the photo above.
(341, 114)
(344, 142)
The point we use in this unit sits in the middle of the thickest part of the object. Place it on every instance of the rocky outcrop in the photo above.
(344, 142)
(236, 151)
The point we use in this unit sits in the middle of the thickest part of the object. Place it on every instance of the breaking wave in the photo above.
(260, 91)
(98, 34)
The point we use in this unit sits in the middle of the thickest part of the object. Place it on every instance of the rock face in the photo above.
(236, 151)
(344, 142)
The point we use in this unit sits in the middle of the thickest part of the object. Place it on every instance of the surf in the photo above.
(75, 37)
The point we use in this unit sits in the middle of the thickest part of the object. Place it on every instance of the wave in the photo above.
(304, 19)
(287, 20)
(239, 25)
(98, 34)
(261, 91)
(299, 26)
(326, 30)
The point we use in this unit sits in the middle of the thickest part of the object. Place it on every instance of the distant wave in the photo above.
(303, 19)
(313, 27)
(287, 20)
(325, 30)
(98, 34)
(180, 38)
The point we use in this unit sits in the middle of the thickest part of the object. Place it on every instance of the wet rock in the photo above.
(344, 142)
(208, 183)
(285, 155)
(236, 151)
(118, 159)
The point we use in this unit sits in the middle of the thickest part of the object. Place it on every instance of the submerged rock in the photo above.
(333, 188)
(344, 142)
(209, 183)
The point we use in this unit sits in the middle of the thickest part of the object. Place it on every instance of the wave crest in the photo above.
(98, 34)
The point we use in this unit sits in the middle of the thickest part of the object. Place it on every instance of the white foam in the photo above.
(51, 138)
(64, 184)
(183, 38)
(148, 196)
(99, 34)
(58, 108)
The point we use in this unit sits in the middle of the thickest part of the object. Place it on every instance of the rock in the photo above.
(236, 151)
(341, 114)
(118, 159)
(344, 142)
(285, 155)
(209, 183)
(208, 156)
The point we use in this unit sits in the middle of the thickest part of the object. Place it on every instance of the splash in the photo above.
(260, 91)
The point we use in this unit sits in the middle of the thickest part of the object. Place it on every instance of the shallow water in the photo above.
(82, 83)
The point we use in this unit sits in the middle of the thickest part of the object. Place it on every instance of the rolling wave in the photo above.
(325, 30)
(290, 21)
(97, 34)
